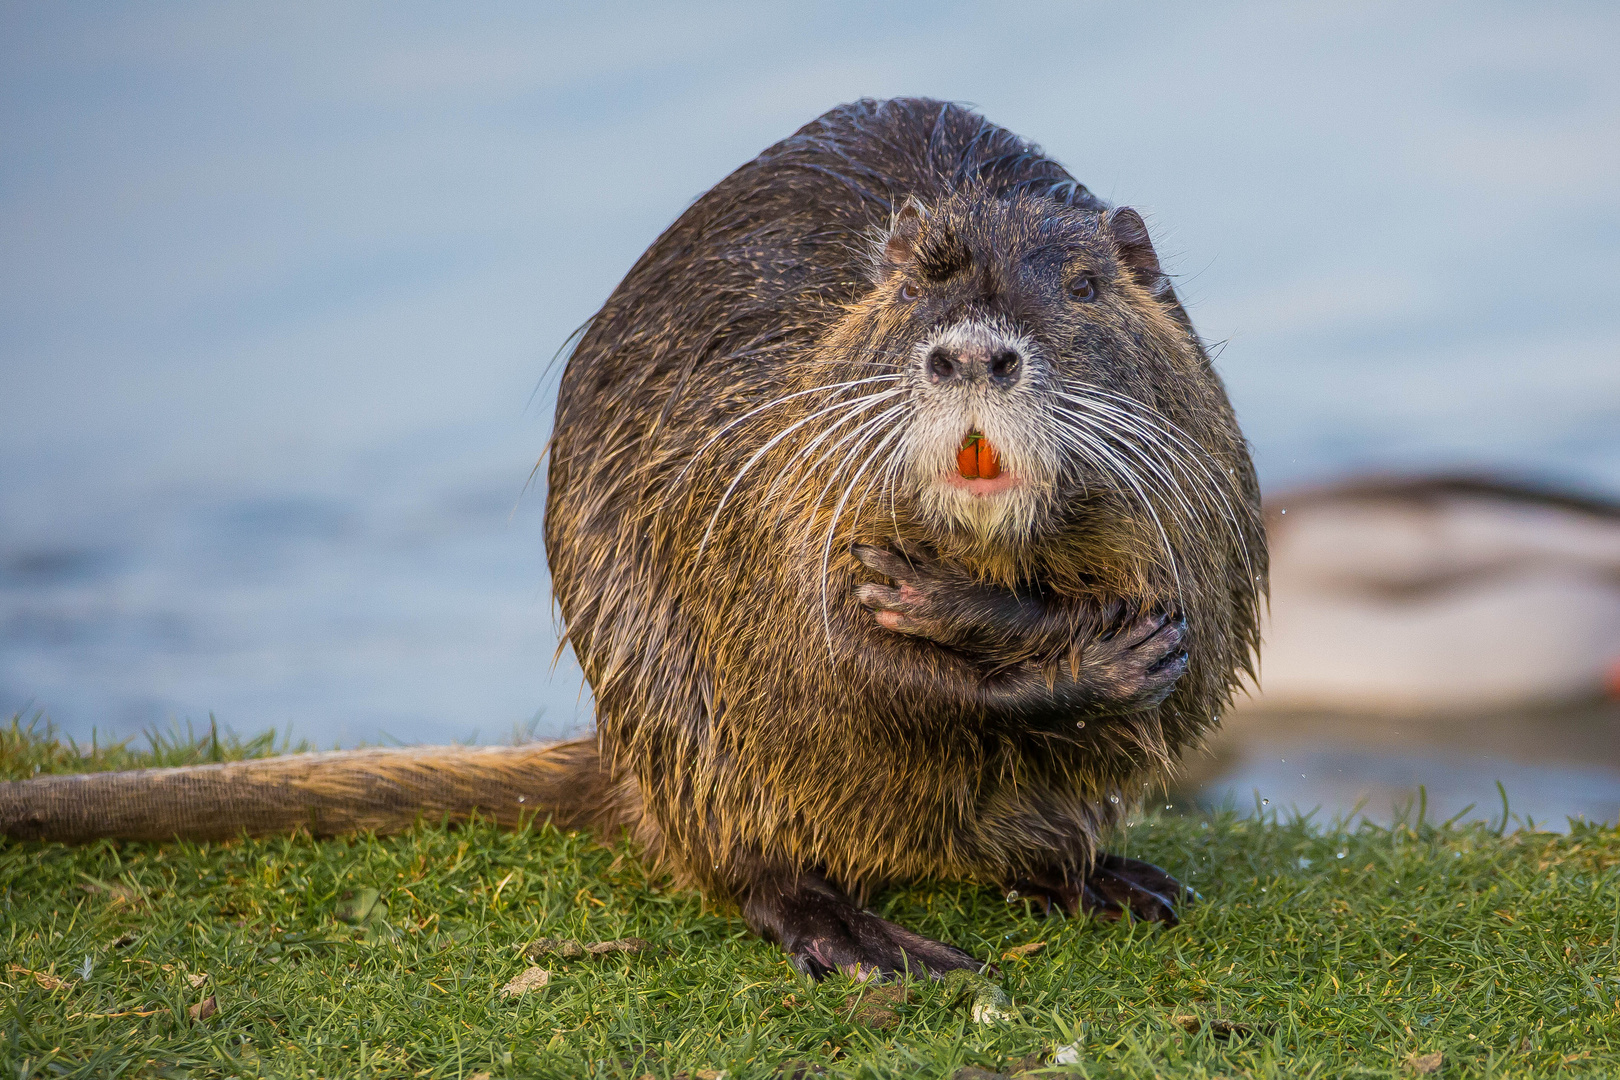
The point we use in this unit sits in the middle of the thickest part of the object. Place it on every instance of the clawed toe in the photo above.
(867, 947)
(1140, 658)
(890, 562)
(823, 932)
(1115, 887)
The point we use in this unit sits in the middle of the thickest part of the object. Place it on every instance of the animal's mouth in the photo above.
(978, 467)
(977, 459)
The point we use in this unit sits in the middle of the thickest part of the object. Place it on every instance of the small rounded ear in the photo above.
(1135, 249)
(1136, 252)
(904, 231)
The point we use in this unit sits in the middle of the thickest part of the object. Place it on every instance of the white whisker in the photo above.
(1151, 420)
(783, 472)
(1164, 482)
(1159, 430)
(861, 434)
(859, 404)
(1123, 472)
(771, 405)
(826, 550)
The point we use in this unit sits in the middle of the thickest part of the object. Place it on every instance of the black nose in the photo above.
(1004, 367)
(947, 365)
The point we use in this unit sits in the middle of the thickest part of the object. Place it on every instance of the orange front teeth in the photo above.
(977, 460)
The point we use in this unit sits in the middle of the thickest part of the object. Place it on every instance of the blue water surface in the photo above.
(280, 283)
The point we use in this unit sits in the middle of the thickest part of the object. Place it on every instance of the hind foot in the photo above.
(823, 931)
(1115, 887)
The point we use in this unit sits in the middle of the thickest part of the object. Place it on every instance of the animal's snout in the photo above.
(996, 364)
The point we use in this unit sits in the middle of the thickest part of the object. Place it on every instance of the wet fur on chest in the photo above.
(718, 451)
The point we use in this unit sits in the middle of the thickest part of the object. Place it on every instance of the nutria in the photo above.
(902, 528)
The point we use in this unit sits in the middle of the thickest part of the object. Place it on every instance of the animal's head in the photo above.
(1016, 384)
(1042, 359)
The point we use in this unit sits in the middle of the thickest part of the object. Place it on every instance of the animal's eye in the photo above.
(908, 291)
(1083, 287)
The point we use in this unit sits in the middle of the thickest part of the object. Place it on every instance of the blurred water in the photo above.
(281, 281)
(1552, 763)
(1335, 780)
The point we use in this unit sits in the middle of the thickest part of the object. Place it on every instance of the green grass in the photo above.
(1337, 953)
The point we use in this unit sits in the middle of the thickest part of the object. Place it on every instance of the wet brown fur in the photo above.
(753, 719)
(760, 714)
(380, 790)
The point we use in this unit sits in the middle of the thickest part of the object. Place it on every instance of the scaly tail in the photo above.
(383, 790)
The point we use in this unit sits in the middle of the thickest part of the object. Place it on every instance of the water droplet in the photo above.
(1113, 798)
(1081, 723)
(1340, 855)
(1167, 806)
(1265, 802)
(1285, 511)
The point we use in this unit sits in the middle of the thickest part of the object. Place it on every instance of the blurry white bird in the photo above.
(1436, 595)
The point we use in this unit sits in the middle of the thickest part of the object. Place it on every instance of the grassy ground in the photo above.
(1315, 952)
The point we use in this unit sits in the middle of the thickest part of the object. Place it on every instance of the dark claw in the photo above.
(1178, 660)
(886, 561)
(1115, 887)
(823, 932)
(1139, 661)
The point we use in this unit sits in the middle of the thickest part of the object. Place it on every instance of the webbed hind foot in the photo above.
(1115, 887)
(823, 931)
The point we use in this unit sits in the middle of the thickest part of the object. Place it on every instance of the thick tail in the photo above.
(343, 791)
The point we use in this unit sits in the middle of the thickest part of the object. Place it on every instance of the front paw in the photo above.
(1137, 661)
(923, 602)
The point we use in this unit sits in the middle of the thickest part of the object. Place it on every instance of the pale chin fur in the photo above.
(1012, 507)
